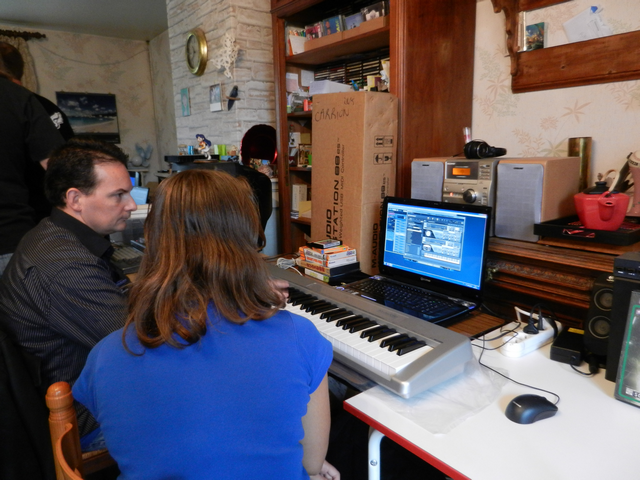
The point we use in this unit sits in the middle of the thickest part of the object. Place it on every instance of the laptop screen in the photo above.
(435, 244)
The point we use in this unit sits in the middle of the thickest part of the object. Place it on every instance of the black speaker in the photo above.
(626, 279)
(598, 324)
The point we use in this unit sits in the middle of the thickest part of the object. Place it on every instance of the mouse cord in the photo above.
(509, 378)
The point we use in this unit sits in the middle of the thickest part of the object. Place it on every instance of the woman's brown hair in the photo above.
(202, 236)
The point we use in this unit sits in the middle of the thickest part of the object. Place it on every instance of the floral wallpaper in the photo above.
(540, 123)
(74, 62)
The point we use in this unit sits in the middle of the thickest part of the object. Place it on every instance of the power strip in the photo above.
(520, 343)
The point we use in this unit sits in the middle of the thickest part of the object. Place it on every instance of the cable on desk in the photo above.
(509, 378)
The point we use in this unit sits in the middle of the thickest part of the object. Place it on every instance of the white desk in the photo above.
(592, 437)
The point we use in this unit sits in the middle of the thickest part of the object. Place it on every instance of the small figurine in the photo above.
(205, 145)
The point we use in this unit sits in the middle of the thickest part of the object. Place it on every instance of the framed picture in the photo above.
(304, 155)
(184, 100)
(215, 97)
(91, 115)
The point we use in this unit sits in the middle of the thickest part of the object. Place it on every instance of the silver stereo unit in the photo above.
(470, 181)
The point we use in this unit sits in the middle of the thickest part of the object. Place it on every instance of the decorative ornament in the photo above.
(227, 55)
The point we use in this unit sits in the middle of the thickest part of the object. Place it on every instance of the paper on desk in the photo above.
(447, 405)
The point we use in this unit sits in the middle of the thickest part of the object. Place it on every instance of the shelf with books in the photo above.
(410, 37)
(367, 41)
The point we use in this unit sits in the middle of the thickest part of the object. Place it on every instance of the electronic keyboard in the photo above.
(402, 353)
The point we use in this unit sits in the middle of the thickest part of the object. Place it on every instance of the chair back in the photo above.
(65, 437)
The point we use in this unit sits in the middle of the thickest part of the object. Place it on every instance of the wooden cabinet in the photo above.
(431, 46)
(559, 278)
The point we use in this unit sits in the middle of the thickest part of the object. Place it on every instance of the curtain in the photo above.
(29, 79)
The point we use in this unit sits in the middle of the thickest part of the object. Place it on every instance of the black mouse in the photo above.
(529, 408)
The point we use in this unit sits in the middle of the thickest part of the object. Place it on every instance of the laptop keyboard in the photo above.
(408, 299)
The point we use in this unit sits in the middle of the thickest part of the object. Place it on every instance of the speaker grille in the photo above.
(518, 200)
(426, 180)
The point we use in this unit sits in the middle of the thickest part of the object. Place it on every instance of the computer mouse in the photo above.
(527, 409)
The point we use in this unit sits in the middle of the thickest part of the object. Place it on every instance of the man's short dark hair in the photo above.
(13, 61)
(71, 166)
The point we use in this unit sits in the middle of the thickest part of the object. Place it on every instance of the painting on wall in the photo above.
(215, 97)
(91, 115)
(184, 100)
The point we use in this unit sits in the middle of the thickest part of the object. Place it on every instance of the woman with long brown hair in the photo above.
(209, 378)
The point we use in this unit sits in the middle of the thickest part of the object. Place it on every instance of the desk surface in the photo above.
(591, 437)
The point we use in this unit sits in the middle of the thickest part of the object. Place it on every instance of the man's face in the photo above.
(108, 207)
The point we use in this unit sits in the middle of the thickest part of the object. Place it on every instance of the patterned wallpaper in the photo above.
(540, 123)
(87, 63)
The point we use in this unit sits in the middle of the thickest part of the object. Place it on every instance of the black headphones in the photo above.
(481, 149)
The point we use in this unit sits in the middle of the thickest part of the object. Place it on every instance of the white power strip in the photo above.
(520, 343)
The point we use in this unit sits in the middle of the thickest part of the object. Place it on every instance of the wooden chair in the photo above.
(70, 462)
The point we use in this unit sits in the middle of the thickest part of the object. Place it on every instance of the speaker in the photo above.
(626, 279)
(427, 176)
(534, 190)
(598, 324)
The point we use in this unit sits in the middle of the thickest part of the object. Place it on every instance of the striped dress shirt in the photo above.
(59, 296)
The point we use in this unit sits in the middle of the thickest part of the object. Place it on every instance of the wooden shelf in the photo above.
(366, 42)
(300, 114)
(301, 221)
(300, 169)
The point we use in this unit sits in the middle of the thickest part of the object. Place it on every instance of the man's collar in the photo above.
(95, 243)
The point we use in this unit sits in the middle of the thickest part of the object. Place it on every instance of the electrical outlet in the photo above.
(520, 343)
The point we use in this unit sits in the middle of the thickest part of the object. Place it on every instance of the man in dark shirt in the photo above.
(27, 135)
(34, 174)
(59, 295)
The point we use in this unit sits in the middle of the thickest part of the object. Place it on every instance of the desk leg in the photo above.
(375, 437)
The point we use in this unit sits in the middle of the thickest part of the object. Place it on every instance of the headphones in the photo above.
(481, 149)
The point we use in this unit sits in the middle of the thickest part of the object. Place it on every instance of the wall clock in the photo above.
(196, 51)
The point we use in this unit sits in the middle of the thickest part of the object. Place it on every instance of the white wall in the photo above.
(72, 62)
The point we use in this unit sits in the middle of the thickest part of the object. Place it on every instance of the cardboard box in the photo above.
(354, 168)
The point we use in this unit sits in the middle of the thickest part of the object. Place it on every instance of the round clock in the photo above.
(196, 51)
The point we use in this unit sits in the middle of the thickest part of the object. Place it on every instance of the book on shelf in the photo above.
(310, 253)
(376, 10)
(332, 25)
(298, 195)
(331, 271)
(332, 262)
(535, 36)
(334, 280)
(353, 21)
(313, 31)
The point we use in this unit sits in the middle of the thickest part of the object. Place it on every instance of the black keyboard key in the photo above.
(372, 331)
(346, 323)
(361, 326)
(393, 340)
(338, 316)
(411, 347)
(382, 334)
(305, 298)
(326, 314)
(319, 310)
(310, 306)
(395, 346)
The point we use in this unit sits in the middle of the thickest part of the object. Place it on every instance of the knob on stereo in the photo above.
(469, 196)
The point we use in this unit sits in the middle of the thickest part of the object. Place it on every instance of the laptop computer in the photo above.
(432, 258)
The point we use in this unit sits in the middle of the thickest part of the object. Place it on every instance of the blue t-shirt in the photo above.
(228, 407)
